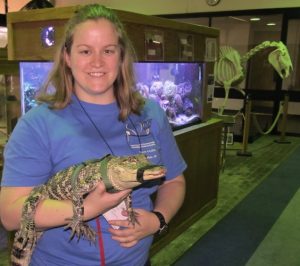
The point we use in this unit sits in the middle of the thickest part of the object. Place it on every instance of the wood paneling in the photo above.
(25, 26)
(200, 147)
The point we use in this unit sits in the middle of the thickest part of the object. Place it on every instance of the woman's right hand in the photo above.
(99, 200)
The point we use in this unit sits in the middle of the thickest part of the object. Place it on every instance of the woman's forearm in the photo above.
(170, 197)
(52, 213)
(49, 213)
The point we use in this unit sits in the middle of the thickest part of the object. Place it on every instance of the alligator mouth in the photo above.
(143, 175)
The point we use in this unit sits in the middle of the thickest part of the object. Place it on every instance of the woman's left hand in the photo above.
(129, 234)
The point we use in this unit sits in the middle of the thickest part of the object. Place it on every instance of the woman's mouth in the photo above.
(96, 74)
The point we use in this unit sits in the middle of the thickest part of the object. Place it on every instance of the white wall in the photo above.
(154, 7)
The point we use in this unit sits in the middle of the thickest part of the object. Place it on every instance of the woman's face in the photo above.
(95, 61)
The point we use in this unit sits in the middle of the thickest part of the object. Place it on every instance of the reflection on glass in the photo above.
(32, 77)
(48, 36)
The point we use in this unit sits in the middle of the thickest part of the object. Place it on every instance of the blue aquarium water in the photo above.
(177, 87)
(32, 77)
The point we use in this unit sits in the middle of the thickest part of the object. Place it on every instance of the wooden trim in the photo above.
(65, 13)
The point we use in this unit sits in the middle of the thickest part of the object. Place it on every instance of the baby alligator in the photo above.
(73, 183)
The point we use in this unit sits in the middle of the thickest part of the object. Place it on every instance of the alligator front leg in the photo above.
(132, 215)
(78, 226)
(79, 187)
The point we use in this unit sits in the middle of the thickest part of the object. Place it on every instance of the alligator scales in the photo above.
(73, 183)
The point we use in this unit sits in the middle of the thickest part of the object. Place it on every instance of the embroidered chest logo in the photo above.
(139, 138)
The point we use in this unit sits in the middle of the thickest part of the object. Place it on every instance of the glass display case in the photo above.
(176, 86)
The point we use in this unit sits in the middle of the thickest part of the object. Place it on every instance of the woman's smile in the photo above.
(95, 61)
(96, 74)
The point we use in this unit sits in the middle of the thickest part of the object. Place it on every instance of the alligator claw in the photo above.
(80, 228)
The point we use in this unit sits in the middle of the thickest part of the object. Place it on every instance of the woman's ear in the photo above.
(67, 58)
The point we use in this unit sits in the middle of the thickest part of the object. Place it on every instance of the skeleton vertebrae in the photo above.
(230, 68)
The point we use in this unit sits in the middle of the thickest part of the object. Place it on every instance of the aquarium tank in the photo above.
(32, 77)
(177, 87)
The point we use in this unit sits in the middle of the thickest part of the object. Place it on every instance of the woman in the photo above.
(94, 111)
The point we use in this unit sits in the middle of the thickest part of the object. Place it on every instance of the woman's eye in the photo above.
(109, 51)
(84, 52)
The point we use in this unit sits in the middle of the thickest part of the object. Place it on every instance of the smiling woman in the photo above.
(92, 105)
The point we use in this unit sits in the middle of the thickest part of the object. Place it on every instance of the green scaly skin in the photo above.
(117, 173)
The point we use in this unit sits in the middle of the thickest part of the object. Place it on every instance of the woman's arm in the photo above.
(53, 213)
(170, 197)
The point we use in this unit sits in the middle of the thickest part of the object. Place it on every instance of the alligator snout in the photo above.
(150, 172)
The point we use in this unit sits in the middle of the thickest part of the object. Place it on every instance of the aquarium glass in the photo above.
(32, 78)
(177, 87)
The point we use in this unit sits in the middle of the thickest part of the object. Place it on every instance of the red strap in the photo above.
(100, 242)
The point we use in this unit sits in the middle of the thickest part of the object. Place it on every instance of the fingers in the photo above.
(128, 234)
(128, 244)
(122, 223)
(107, 201)
(125, 193)
(115, 196)
(125, 236)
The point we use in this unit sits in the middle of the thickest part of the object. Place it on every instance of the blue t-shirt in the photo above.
(46, 141)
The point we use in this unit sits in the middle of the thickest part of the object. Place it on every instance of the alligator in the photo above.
(74, 183)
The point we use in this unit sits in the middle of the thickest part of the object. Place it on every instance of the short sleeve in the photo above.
(26, 155)
(169, 152)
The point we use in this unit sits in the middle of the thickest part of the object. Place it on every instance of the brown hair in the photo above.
(61, 78)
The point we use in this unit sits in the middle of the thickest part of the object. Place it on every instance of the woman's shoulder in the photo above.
(37, 114)
(32, 124)
(40, 110)
(153, 111)
(152, 107)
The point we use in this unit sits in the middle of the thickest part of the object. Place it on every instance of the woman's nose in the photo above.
(97, 60)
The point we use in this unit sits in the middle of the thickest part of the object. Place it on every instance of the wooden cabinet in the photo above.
(200, 147)
(24, 33)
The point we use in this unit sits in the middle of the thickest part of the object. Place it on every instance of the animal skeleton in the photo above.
(230, 68)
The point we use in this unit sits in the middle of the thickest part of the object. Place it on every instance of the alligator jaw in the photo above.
(149, 173)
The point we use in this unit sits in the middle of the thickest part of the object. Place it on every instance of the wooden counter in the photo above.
(200, 147)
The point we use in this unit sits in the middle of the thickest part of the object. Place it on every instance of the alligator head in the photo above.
(131, 171)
